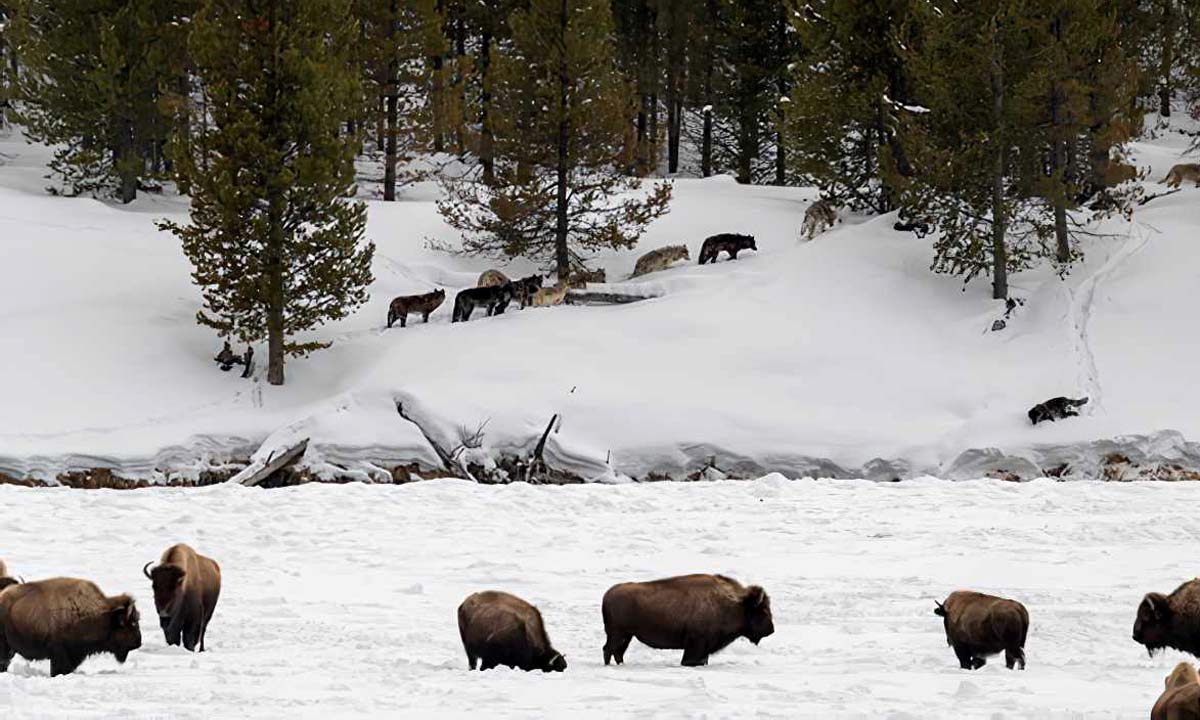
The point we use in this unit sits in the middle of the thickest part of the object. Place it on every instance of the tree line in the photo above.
(991, 123)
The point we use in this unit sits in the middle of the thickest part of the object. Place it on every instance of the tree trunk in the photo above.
(487, 145)
(273, 267)
(392, 116)
(1058, 166)
(674, 133)
(643, 143)
(706, 144)
(999, 219)
(747, 144)
(124, 162)
(1167, 60)
(561, 255)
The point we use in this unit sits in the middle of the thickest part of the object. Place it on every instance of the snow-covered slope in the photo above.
(340, 601)
(843, 356)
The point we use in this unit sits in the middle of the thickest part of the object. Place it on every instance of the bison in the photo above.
(5, 579)
(65, 620)
(502, 629)
(699, 614)
(979, 625)
(186, 587)
(1170, 620)
(1181, 698)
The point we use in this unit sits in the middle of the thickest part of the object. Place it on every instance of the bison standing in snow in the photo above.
(1181, 698)
(65, 621)
(1170, 620)
(186, 588)
(502, 629)
(979, 625)
(699, 614)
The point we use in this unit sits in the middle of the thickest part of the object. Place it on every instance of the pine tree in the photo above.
(93, 82)
(275, 238)
(560, 112)
(851, 86)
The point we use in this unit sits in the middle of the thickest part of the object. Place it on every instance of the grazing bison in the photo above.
(1170, 620)
(186, 587)
(979, 625)
(405, 304)
(729, 242)
(659, 259)
(492, 278)
(1055, 409)
(502, 629)
(699, 614)
(1181, 698)
(65, 620)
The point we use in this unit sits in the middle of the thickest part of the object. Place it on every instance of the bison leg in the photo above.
(695, 653)
(472, 661)
(965, 660)
(615, 648)
(1014, 656)
(488, 664)
(64, 664)
(6, 654)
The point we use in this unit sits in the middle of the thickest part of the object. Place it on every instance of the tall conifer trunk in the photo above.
(562, 260)
(999, 219)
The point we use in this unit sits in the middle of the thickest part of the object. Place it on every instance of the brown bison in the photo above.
(699, 614)
(186, 587)
(1181, 698)
(979, 625)
(5, 579)
(65, 620)
(502, 629)
(1170, 620)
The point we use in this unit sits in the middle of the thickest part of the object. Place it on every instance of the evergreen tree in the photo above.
(93, 83)
(850, 88)
(560, 112)
(1020, 116)
(274, 237)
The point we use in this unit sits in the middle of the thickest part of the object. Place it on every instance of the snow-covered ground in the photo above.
(339, 601)
(845, 356)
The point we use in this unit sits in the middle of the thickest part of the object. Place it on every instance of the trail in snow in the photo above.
(1082, 299)
(340, 601)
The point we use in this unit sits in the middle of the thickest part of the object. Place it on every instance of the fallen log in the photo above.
(258, 471)
(585, 297)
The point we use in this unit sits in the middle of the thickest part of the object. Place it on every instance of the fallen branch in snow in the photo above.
(450, 463)
(1148, 198)
(258, 471)
(583, 297)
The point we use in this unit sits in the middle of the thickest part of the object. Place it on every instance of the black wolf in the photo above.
(495, 299)
(1055, 409)
(729, 242)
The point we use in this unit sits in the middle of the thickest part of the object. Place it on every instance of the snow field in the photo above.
(339, 601)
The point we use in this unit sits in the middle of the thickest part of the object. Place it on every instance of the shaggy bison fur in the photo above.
(728, 242)
(424, 304)
(1181, 698)
(186, 587)
(699, 614)
(492, 278)
(979, 625)
(65, 621)
(1170, 621)
(502, 629)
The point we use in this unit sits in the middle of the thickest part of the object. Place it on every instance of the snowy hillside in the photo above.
(340, 601)
(844, 356)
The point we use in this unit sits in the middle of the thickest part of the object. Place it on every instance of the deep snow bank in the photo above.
(844, 356)
(340, 602)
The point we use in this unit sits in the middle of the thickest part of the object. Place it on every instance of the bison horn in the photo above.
(146, 569)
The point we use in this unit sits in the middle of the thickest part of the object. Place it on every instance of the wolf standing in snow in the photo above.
(979, 625)
(1181, 172)
(659, 259)
(405, 304)
(1055, 409)
(819, 217)
(727, 242)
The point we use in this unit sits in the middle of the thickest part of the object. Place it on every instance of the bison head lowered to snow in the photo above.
(699, 614)
(1170, 620)
(979, 625)
(502, 629)
(186, 588)
(65, 620)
